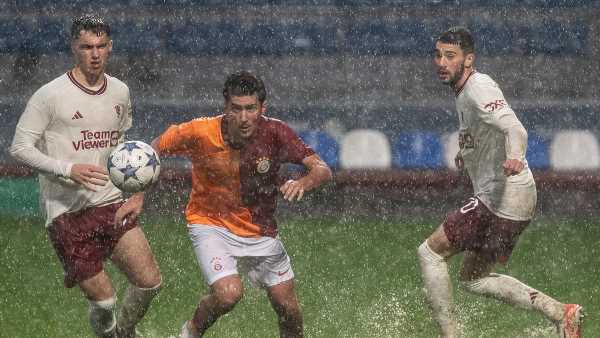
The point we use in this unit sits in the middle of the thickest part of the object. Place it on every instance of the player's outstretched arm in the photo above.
(318, 173)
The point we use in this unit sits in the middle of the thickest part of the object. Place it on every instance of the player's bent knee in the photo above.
(102, 316)
(427, 255)
(229, 297)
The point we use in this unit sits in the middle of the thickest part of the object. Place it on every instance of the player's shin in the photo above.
(136, 303)
(102, 317)
(438, 289)
(514, 292)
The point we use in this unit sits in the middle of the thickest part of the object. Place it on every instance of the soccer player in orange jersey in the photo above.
(236, 159)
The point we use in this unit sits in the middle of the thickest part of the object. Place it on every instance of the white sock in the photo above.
(102, 317)
(185, 332)
(136, 303)
(514, 292)
(438, 289)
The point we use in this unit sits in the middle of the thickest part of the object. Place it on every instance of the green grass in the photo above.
(355, 278)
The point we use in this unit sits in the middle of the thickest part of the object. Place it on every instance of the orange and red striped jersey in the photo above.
(234, 188)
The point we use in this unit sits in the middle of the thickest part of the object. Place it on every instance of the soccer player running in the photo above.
(236, 159)
(68, 129)
(492, 149)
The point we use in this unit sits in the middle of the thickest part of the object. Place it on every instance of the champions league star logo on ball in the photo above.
(133, 166)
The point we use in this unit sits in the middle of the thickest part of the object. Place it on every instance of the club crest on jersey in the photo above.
(118, 110)
(263, 165)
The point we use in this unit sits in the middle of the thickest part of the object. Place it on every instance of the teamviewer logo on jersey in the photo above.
(77, 116)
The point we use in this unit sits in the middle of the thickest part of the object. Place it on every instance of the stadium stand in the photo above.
(574, 150)
(325, 145)
(417, 150)
(538, 151)
(365, 149)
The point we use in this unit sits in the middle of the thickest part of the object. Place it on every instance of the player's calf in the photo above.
(102, 317)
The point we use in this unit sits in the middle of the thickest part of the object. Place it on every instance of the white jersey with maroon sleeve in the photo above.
(490, 133)
(65, 123)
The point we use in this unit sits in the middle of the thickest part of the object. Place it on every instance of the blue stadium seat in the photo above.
(12, 35)
(325, 145)
(538, 151)
(50, 35)
(136, 36)
(417, 150)
(400, 37)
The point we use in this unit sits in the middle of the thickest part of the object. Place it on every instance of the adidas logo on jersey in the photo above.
(77, 116)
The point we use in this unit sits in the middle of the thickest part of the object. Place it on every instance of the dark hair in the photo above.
(89, 22)
(244, 84)
(459, 36)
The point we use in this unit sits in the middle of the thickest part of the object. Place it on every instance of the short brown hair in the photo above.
(459, 36)
(244, 83)
(89, 22)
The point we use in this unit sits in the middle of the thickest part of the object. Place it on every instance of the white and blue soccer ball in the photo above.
(133, 166)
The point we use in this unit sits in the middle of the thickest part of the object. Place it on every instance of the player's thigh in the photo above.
(97, 287)
(133, 256)
(270, 265)
(475, 266)
(214, 253)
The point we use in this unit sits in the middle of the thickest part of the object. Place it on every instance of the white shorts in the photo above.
(263, 259)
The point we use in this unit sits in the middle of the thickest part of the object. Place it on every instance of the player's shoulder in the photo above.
(54, 87)
(204, 124)
(480, 83)
(116, 83)
(273, 123)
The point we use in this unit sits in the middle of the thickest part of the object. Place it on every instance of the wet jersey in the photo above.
(66, 123)
(489, 134)
(234, 188)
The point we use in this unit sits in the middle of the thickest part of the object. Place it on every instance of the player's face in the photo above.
(91, 52)
(244, 112)
(450, 62)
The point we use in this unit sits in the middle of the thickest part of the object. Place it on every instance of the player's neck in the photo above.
(90, 81)
(230, 136)
(458, 86)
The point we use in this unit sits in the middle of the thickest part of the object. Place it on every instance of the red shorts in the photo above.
(84, 239)
(475, 228)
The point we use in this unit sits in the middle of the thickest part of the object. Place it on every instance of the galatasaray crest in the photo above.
(263, 165)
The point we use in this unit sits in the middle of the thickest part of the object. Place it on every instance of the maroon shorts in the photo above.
(475, 228)
(84, 239)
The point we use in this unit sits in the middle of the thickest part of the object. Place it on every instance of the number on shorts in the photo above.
(470, 206)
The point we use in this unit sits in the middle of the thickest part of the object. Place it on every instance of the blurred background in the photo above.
(354, 78)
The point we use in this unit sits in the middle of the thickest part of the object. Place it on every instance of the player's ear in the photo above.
(469, 60)
(263, 107)
(110, 46)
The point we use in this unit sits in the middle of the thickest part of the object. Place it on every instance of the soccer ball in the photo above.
(133, 166)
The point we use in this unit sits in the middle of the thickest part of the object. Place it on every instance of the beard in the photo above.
(452, 80)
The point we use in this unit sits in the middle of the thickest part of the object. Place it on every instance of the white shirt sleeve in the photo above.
(492, 108)
(30, 129)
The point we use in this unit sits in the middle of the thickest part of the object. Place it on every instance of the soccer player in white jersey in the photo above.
(492, 150)
(68, 129)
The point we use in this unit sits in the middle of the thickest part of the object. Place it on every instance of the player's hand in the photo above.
(459, 162)
(512, 167)
(89, 175)
(292, 189)
(130, 210)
